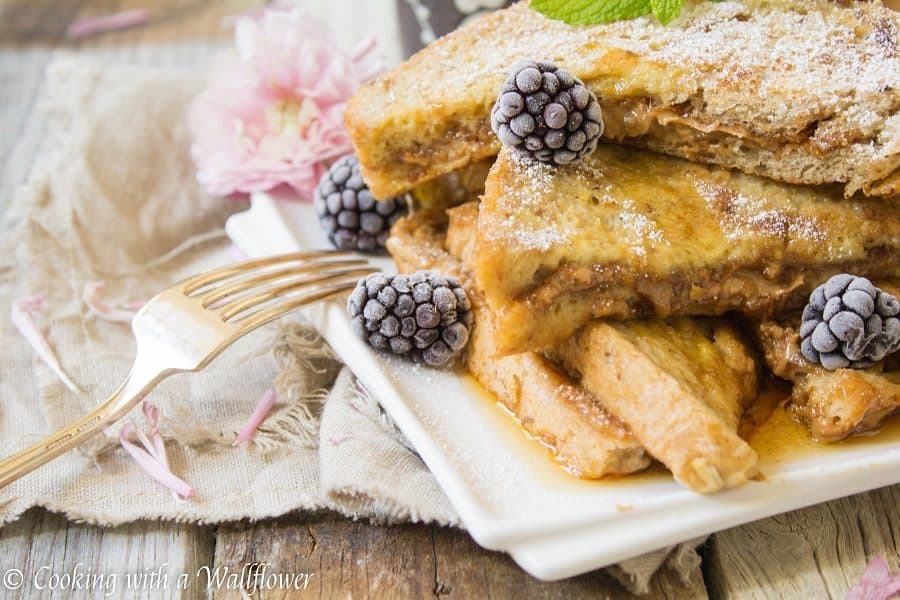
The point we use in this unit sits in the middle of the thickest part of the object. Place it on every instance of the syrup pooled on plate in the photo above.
(768, 426)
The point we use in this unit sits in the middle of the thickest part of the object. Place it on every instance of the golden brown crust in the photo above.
(681, 386)
(687, 382)
(804, 91)
(585, 439)
(631, 234)
(833, 404)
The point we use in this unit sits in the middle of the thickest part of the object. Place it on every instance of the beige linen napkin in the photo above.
(112, 197)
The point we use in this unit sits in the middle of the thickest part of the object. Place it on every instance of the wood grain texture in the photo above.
(42, 544)
(817, 552)
(354, 559)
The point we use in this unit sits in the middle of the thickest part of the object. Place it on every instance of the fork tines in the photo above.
(263, 289)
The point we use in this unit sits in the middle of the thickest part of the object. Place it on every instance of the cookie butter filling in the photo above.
(630, 234)
(641, 297)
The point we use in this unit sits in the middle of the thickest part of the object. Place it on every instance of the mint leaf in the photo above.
(592, 12)
(666, 10)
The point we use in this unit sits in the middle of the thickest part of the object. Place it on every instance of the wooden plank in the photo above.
(21, 73)
(817, 552)
(353, 559)
(46, 548)
(35, 21)
(669, 584)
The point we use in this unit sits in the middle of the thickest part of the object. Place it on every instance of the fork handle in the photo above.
(114, 408)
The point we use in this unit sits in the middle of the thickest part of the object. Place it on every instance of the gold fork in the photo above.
(189, 324)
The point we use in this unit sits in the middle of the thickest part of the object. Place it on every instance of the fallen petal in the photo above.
(22, 317)
(93, 299)
(262, 410)
(337, 440)
(877, 583)
(156, 468)
(89, 26)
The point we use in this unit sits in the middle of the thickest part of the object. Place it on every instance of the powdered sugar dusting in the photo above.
(535, 239)
(815, 70)
(642, 230)
(536, 178)
(822, 56)
(743, 217)
(534, 185)
(825, 52)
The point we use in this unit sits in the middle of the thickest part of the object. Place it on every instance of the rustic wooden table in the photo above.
(813, 553)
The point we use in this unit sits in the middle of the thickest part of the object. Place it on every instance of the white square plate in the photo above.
(509, 493)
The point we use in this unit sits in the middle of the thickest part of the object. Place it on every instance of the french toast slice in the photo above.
(700, 369)
(705, 391)
(680, 385)
(804, 91)
(833, 404)
(584, 438)
(627, 234)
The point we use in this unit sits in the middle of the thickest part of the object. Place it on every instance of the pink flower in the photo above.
(877, 583)
(273, 113)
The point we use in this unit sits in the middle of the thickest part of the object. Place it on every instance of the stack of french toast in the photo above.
(630, 306)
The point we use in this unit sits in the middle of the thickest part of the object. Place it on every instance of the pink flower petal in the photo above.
(151, 414)
(877, 583)
(263, 408)
(22, 317)
(152, 457)
(89, 26)
(337, 440)
(363, 48)
(273, 113)
(93, 299)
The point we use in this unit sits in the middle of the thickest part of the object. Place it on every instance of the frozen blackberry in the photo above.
(351, 217)
(849, 323)
(424, 316)
(547, 113)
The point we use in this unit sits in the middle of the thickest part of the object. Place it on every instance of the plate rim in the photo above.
(519, 536)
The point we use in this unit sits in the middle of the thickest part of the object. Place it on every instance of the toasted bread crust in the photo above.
(681, 386)
(804, 91)
(833, 404)
(628, 234)
(699, 373)
(585, 439)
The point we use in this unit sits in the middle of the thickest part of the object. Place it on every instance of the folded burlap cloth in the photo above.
(112, 197)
